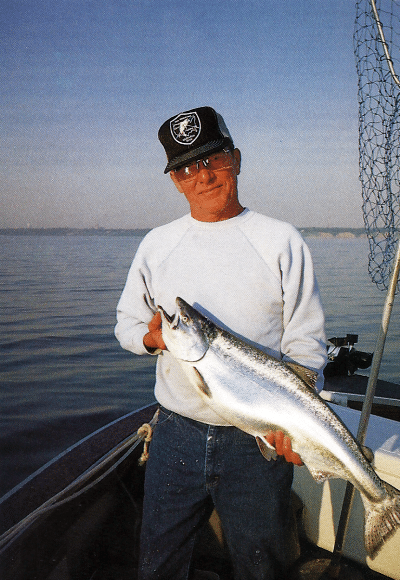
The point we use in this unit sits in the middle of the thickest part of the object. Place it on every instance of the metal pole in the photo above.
(334, 567)
(384, 43)
(380, 344)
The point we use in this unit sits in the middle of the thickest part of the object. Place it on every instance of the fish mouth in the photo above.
(167, 317)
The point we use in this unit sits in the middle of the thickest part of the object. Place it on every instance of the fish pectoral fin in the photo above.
(267, 450)
(201, 384)
(307, 375)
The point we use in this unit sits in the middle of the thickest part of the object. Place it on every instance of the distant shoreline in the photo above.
(310, 232)
(73, 231)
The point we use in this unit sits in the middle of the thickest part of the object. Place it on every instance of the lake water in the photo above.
(62, 372)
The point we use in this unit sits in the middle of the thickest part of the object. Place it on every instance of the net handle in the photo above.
(384, 43)
(334, 566)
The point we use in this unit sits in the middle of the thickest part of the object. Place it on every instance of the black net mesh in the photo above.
(377, 52)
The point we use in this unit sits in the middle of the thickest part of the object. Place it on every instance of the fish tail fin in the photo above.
(381, 520)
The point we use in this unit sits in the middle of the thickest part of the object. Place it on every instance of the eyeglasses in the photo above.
(221, 160)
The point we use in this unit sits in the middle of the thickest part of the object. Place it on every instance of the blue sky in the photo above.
(87, 83)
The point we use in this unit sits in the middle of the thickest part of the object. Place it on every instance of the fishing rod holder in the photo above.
(343, 358)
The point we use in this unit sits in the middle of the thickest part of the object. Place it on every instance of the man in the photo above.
(254, 276)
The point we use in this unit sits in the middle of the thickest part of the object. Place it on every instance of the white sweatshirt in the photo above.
(251, 274)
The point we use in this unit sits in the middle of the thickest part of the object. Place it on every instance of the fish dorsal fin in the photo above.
(267, 450)
(307, 375)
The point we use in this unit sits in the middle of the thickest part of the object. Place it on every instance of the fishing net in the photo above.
(377, 52)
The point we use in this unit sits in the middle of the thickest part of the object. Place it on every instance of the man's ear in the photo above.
(237, 156)
(176, 182)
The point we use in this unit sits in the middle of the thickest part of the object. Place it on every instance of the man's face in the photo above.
(212, 193)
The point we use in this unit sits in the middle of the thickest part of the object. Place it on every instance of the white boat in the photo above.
(78, 517)
(322, 503)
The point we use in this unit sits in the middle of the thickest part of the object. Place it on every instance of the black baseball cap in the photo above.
(192, 134)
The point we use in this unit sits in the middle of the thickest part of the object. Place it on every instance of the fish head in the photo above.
(186, 333)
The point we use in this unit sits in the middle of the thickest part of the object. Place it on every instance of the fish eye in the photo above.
(185, 319)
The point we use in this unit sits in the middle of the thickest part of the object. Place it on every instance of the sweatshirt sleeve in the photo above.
(303, 340)
(135, 308)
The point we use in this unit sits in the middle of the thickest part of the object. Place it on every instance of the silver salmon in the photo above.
(256, 393)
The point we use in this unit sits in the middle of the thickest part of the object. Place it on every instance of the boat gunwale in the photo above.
(63, 469)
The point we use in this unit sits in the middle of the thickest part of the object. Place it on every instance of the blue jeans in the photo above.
(193, 467)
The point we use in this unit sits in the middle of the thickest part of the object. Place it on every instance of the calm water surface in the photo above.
(62, 372)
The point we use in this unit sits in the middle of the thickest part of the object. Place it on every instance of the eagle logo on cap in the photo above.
(185, 128)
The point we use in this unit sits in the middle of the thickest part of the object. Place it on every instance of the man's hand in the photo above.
(153, 340)
(283, 446)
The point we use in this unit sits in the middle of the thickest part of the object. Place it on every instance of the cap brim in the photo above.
(198, 153)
